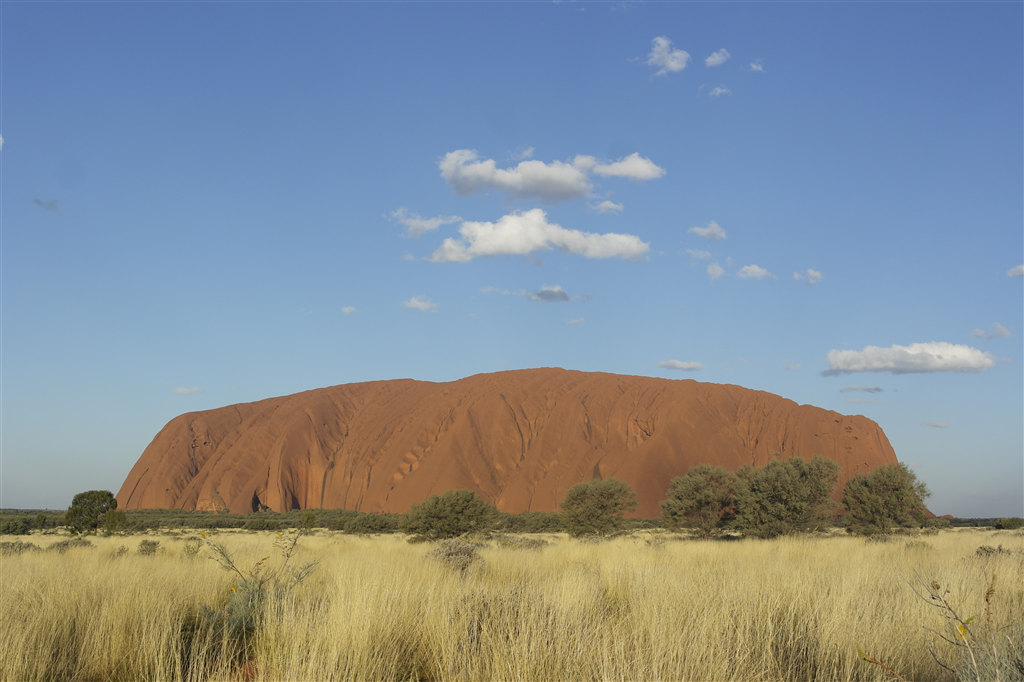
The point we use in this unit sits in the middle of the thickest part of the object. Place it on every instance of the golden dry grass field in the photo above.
(633, 608)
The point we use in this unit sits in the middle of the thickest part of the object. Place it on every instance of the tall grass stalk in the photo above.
(377, 609)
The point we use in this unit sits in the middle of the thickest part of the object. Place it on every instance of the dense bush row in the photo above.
(783, 497)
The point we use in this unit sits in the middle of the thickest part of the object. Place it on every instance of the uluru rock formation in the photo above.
(519, 438)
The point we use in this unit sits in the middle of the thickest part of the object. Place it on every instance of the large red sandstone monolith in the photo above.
(519, 438)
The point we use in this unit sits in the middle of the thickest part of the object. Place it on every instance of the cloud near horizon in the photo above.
(936, 425)
(917, 358)
(521, 233)
(417, 225)
(998, 332)
(665, 58)
(184, 390)
(681, 365)
(862, 389)
(552, 182)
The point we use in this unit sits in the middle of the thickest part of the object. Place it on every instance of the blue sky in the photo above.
(212, 203)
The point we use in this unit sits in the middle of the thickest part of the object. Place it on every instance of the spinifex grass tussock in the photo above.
(376, 609)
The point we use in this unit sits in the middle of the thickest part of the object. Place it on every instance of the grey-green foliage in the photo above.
(17, 527)
(113, 521)
(1010, 523)
(785, 496)
(449, 515)
(88, 508)
(702, 500)
(884, 498)
(72, 543)
(148, 547)
(596, 508)
(17, 547)
(456, 553)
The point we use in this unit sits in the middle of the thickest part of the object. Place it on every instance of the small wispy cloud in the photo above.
(421, 303)
(719, 91)
(753, 272)
(51, 205)
(578, 320)
(522, 154)
(698, 254)
(712, 231)
(755, 66)
(717, 58)
(666, 59)
(681, 365)
(184, 390)
(416, 225)
(858, 401)
(348, 310)
(936, 425)
(715, 271)
(998, 332)
(862, 389)
(1016, 271)
(812, 276)
(792, 366)
(550, 294)
(606, 207)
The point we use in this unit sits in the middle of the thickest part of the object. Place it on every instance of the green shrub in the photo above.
(88, 508)
(883, 499)
(937, 523)
(262, 524)
(148, 547)
(1010, 523)
(456, 554)
(17, 527)
(371, 524)
(785, 496)
(449, 515)
(191, 548)
(532, 522)
(596, 508)
(65, 545)
(703, 500)
(113, 521)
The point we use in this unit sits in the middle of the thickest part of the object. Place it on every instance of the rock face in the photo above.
(520, 439)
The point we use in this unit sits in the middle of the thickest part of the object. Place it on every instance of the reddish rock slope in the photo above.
(519, 438)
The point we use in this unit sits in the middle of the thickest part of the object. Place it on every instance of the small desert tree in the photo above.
(449, 515)
(884, 498)
(703, 500)
(113, 521)
(88, 508)
(595, 508)
(785, 496)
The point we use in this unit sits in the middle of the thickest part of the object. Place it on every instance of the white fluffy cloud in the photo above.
(634, 167)
(680, 364)
(719, 91)
(754, 66)
(813, 276)
(862, 389)
(348, 310)
(417, 225)
(717, 58)
(184, 390)
(936, 425)
(520, 233)
(998, 331)
(937, 356)
(532, 179)
(698, 254)
(1016, 271)
(606, 207)
(753, 272)
(715, 271)
(665, 58)
(712, 231)
(421, 303)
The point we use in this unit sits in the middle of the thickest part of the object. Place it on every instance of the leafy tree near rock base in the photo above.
(702, 500)
(596, 508)
(113, 521)
(884, 498)
(785, 496)
(88, 508)
(449, 515)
